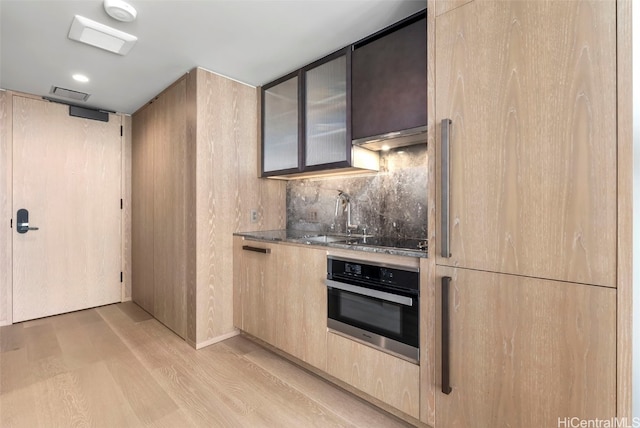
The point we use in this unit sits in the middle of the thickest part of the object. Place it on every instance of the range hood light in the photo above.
(391, 140)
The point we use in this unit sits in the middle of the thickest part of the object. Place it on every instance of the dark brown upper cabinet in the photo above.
(306, 123)
(389, 83)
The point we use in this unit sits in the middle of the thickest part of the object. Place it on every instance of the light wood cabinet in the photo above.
(302, 304)
(158, 208)
(280, 297)
(530, 87)
(524, 352)
(392, 380)
(256, 282)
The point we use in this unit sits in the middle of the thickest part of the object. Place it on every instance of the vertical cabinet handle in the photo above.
(446, 382)
(445, 129)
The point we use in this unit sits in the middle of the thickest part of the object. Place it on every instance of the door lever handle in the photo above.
(25, 227)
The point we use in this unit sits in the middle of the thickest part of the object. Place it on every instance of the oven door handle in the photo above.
(382, 295)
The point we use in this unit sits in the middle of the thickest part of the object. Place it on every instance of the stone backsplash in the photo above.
(391, 202)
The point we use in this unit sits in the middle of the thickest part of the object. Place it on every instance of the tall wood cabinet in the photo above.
(527, 333)
(159, 208)
(194, 183)
(530, 88)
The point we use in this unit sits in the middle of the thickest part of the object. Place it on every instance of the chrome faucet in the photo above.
(345, 199)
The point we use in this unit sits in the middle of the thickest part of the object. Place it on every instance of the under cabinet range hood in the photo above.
(391, 140)
(389, 86)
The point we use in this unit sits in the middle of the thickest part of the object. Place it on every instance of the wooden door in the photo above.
(525, 352)
(530, 87)
(67, 173)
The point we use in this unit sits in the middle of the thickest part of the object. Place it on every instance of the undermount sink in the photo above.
(323, 239)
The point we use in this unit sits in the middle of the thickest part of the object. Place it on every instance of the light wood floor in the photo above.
(115, 366)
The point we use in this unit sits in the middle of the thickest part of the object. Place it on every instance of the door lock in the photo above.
(22, 222)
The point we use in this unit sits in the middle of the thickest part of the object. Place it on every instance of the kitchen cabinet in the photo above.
(530, 89)
(280, 297)
(306, 126)
(525, 352)
(281, 138)
(301, 315)
(389, 85)
(527, 215)
(256, 288)
(391, 380)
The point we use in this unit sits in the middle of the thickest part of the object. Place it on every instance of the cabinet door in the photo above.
(255, 288)
(281, 126)
(170, 209)
(525, 352)
(302, 304)
(327, 101)
(389, 89)
(530, 87)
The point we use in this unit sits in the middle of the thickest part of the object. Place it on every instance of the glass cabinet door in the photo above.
(327, 137)
(280, 126)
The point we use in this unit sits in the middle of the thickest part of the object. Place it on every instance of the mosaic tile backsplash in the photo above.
(390, 203)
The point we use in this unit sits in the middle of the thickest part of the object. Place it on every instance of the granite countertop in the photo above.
(371, 244)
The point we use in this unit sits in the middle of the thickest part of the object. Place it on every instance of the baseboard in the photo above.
(217, 339)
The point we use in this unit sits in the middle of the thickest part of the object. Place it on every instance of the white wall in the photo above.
(636, 207)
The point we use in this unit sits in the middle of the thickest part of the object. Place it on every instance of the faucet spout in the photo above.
(345, 199)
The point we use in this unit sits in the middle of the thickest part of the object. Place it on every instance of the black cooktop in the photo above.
(381, 241)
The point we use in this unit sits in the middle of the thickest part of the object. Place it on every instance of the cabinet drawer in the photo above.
(385, 377)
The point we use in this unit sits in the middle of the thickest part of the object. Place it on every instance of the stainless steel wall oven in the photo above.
(376, 303)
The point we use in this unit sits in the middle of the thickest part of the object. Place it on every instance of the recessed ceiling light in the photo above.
(385, 148)
(101, 36)
(120, 10)
(80, 78)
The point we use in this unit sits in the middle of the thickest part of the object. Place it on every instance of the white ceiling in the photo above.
(252, 41)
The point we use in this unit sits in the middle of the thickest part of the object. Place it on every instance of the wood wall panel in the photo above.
(143, 130)
(444, 6)
(531, 89)
(625, 208)
(192, 214)
(6, 132)
(226, 190)
(427, 266)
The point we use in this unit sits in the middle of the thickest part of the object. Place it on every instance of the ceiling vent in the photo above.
(69, 94)
(101, 36)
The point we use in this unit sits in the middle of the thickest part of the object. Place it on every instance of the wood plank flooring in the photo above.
(115, 366)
